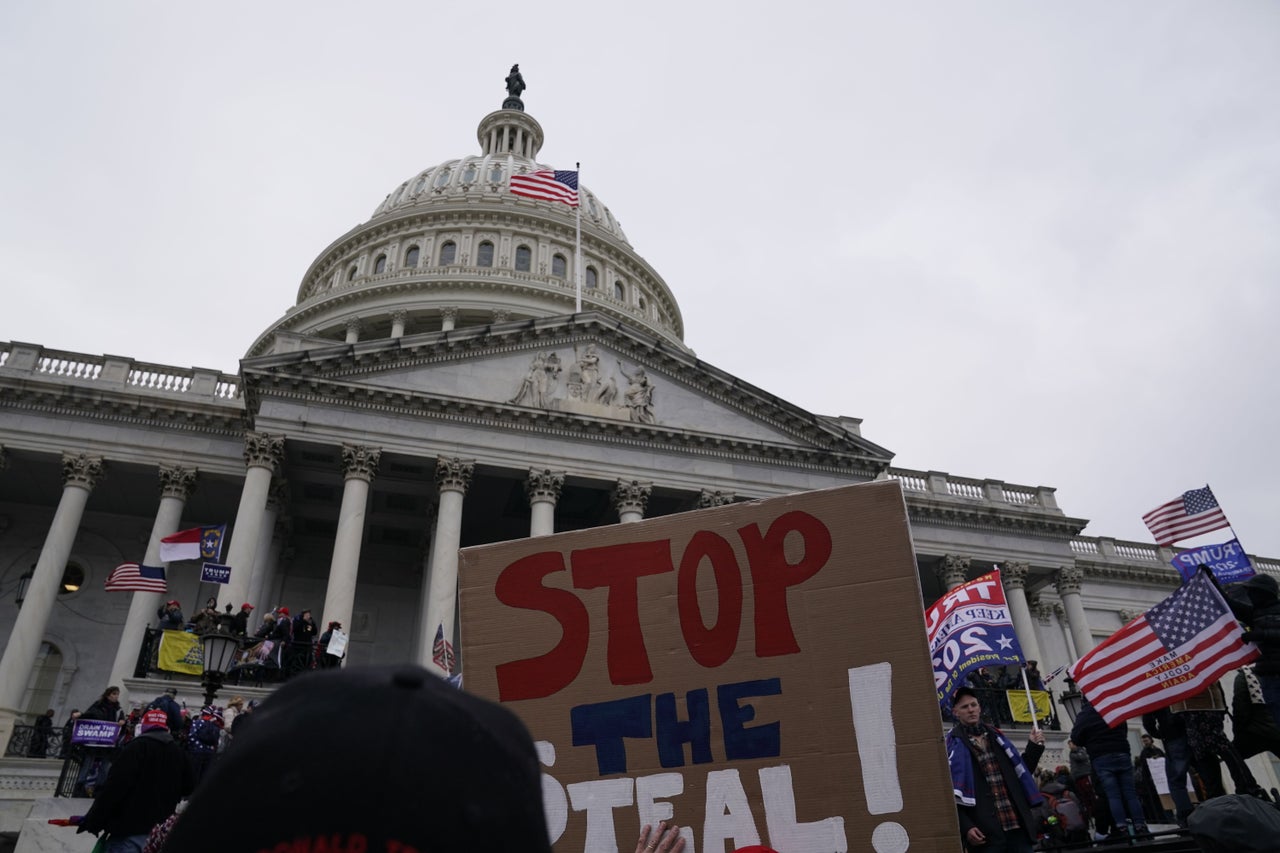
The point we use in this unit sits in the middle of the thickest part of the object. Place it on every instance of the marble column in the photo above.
(1061, 612)
(176, 485)
(953, 571)
(708, 498)
(453, 476)
(359, 464)
(630, 497)
(80, 472)
(397, 323)
(262, 455)
(1068, 581)
(425, 638)
(353, 335)
(1014, 576)
(270, 541)
(448, 318)
(543, 488)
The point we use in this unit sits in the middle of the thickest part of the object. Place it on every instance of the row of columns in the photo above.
(254, 550)
(953, 571)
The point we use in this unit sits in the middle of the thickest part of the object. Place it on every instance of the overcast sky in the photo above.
(1027, 241)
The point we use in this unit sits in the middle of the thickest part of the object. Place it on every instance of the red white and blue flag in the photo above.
(1193, 513)
(1170, 653)
(547, 185)
(131, 577)
(442, 652)
(970, 628)
(196, 543)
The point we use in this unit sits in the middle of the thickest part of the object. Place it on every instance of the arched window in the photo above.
(411, 257)
(524, 258)
(419, 184)
(484, 254)
(351, 273)
(495, 174)
(619, 291)
(640, 302)
(592, 279)
(442, 177)
(559, 266)
(448, 253)
(380, 265)
(469, 174)
(72, 579)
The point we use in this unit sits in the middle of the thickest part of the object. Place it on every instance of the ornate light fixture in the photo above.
(220, 650)
(1072, 700)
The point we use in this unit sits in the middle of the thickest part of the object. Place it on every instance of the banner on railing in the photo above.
(95, 732)
(180, 651)
(1021, 711)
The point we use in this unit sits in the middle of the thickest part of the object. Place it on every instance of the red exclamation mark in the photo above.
(870, 697)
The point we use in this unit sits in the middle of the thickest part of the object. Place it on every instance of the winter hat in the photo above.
(470, 781)
(154, 719)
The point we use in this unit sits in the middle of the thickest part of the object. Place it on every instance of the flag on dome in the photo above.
(1193, 513)
(547, 185)
(442, 651)
(131, 577)
(1173, 651)
(196, 543)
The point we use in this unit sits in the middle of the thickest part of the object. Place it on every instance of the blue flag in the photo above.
(970, 628)
(1228, 562)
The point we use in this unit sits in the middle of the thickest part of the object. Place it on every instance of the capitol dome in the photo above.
(452, 247)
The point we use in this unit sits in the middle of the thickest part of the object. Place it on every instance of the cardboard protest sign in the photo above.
(757, 673)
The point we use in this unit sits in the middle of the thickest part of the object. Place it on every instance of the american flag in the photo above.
(547, 185)
(442, 652)
(1173, 651)
(131, 577)
(1194, 513)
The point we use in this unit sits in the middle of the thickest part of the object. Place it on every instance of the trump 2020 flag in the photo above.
(1173, 651)
(969, 627)
(1228, 562)
(196, 543)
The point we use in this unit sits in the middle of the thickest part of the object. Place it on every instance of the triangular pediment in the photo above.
(578, 370)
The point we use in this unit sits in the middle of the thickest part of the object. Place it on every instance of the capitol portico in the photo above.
(434, 387)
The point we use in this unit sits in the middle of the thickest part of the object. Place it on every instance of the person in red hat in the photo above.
(142, 788)
(170, 616)
(240, 622)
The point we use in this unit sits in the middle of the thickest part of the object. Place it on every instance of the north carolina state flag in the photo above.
(198, 543)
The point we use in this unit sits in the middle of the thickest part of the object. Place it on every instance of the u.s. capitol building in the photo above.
(431, 387)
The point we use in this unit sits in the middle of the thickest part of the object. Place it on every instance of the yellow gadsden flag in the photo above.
(181, 651)
(1018, 705)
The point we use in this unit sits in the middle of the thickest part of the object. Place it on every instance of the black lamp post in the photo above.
(23, 583)
(1072, 700)
(220, 650)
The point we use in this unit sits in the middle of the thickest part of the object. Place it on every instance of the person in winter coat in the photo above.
(1256, 603)
(202, 741)
(240, 622)
(1254, 727)
(324, 660)
(1108, 749)
(144, 784)
(168, 702)
(170, 616)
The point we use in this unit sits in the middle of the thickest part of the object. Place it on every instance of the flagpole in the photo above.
(1026, 685)
(577, 261)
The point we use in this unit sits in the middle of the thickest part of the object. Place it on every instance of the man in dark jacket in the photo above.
(168, 702)
(1256, 603)
(994, 786)
(1168, 728)
(1108, 748)
(145, 783)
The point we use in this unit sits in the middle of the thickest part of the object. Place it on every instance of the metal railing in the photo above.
(285, 661)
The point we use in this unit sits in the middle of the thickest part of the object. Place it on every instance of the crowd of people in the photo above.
(281, 643)
(1007, 804)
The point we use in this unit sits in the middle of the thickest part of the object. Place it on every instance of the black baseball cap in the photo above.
(372, 758)
(961, 693)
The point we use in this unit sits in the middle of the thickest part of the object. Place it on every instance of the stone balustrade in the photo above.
(118, 371)
(941, 484)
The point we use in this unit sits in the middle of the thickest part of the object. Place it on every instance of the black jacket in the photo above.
(1093, 733)
(1256, 603)
(982, 813)
(142, 788)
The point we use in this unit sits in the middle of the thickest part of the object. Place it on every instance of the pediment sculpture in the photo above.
(590, 388)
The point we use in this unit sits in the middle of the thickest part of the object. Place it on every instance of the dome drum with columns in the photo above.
(452, 247)
(419, 398)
